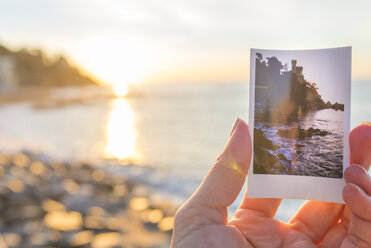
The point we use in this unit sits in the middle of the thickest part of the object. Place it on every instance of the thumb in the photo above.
(360, 145)
(224, 181)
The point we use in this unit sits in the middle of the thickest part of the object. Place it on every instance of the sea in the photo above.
(166, 136)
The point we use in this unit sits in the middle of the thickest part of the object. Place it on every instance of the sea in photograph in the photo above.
(311, 145)
(164, 135)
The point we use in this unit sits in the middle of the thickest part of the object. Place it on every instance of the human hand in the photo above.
(203, 220)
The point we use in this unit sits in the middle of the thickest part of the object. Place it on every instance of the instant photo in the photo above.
(299, 121)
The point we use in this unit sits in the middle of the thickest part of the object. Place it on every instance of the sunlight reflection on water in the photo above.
(121, 134)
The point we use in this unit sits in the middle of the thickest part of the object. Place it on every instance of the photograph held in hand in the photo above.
(300, 110)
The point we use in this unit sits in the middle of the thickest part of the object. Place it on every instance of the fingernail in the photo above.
(236, 154)
(234, 126)
(360, 166)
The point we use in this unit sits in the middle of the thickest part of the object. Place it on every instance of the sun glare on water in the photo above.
(120, 131)
(118, 59)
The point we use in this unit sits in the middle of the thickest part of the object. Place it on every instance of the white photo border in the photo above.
(292, 186)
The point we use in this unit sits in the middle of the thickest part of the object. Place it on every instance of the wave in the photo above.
(300, 147)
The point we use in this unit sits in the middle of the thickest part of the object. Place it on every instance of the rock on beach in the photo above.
(49, 203)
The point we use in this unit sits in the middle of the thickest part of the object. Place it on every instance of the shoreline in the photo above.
(53, 97)
(45, 202)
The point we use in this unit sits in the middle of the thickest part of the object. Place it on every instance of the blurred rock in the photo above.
(46, 203)
(105, 240)
(64, 221)
(50, 205)
(12, 239)
(139, 203)
(21, 160)
(82, 238)
(166, 224)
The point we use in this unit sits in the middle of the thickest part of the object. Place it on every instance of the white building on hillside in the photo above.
(8, 75)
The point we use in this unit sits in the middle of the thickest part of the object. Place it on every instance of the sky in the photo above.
(129, 41)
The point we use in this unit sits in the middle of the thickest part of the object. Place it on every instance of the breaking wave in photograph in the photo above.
(311, 145)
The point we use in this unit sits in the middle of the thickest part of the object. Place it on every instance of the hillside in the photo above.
(278, 88)
(34, 68)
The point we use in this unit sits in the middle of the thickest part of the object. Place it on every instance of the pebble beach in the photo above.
(49, 203)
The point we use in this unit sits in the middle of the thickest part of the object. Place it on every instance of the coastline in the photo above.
(54, 97)
(46, 202)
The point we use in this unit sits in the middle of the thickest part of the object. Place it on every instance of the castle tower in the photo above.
(299, 70)
(293, 65)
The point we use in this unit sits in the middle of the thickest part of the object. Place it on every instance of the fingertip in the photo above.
(364, 127)
(239, 124)
(351, 194)
(354, 173)
(242, 124)
(360, 168)
(234, 126)
(360, 145)
(357, 175)
(366, 124)
(358, 201)
(239, 145)
(350, 191)
(241, 135)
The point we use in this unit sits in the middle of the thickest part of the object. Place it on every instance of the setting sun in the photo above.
(121, 90)
(117, 60)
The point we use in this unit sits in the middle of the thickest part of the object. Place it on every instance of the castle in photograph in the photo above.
(276, 86)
